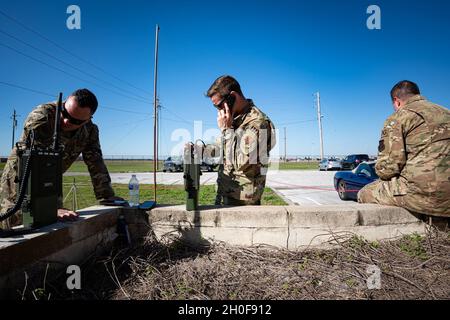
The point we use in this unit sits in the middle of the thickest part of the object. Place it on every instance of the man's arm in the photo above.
(92, 156)
(391, 148)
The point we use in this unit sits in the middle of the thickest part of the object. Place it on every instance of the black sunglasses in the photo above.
(71, 119)
(217, 106)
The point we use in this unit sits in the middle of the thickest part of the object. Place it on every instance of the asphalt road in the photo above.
(300, 187)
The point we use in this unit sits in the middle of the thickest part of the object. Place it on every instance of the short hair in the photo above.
(85, 99)
(404, 89)
(223, 86)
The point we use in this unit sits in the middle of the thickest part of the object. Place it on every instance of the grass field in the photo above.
(297, 165)
(166, 194)
(117, 166)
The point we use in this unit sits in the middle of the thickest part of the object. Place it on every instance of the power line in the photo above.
(187, 121)
(26, 89)
(67, 64)
(52, 95)
(181, 120)
(67, 73)
(68, 52)
(295, 122)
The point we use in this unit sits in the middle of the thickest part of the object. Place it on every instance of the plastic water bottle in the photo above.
(133, 187)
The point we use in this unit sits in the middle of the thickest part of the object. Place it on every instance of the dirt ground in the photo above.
(413, 267)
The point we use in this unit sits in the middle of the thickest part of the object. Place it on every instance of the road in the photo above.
(299, 187)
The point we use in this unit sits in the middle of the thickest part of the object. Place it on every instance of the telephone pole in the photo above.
(285, 144)
(319, 117)
(14, 126)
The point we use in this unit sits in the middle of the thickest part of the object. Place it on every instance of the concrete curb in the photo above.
(55, 247)
(290, 227)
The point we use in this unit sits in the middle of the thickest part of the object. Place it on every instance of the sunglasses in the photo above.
(71, 119)
(218, 106)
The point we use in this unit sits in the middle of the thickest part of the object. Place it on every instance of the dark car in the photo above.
(348, 183)
(350, 162)
(173, 164)
(207, 167)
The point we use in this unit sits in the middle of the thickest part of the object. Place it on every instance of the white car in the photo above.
(330, 164)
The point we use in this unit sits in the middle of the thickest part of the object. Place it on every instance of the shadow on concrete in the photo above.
(190, 234)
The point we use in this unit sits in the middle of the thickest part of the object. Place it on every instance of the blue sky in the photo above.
(280, 51)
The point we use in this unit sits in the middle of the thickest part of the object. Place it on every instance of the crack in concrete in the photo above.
(288, 227)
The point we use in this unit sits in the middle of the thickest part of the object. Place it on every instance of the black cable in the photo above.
(23, 186)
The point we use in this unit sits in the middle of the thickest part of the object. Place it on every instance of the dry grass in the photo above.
(414, 267)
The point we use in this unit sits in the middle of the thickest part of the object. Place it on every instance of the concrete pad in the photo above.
(60, 245)
(325, 216)
(278, 237)
(232, 236)
(375, 215)
(254, 217)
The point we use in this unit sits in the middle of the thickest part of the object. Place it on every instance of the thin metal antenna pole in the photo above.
(155, 120)
(14, 126)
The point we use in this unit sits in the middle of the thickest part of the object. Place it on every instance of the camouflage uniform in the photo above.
(244, 153)
(413, 161)
(84, 140)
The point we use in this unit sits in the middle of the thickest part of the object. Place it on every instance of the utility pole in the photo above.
(158, 131)
(319, 117)
(14, 126)
(155, 112)
(285, 144)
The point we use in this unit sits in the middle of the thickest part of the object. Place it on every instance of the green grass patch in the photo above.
(2, 165)
(412, 245)
(118, 166)
(310, 165)
(167, 194)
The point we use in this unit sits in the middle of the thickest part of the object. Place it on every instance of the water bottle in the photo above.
(133, 187)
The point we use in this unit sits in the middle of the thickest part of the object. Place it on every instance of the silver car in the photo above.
(330, 164)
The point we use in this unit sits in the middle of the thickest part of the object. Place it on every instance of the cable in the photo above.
(52, 95)
(68, 52)
(67, 64)
(295, 122)
(26, 89)
(188, 121)
(69, 74)
(22, 187)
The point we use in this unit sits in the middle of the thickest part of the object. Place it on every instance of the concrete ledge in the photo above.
(57, 246)
(52, 249)
(291, 227)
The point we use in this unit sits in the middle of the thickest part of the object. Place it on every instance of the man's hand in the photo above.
(67, 215)
(224, 118)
